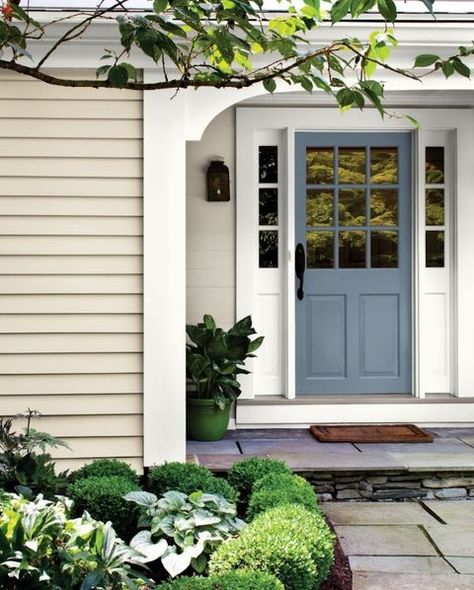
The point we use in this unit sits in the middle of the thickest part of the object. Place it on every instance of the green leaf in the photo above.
(118, 76)
(270, 85)
(448, 69)
(388, 10)
(209, 322)
(255, 344)
(413, 120)
(429, 4)
(461, 68)
(160, 5)
(339, 10)
(425, 60)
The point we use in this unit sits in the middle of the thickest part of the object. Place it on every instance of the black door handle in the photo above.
(300, 266)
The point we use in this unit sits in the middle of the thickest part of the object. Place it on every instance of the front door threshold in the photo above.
(271, 411)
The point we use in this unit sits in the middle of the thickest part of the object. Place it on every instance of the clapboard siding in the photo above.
(71, 265)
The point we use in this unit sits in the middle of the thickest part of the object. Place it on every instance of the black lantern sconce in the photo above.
(218, 182)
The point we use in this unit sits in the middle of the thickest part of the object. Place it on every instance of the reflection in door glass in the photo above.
(434, 206)
(319, 207)
(319, 165)
(268, 164)
(351, 168)
(435, 249)
(384, 249)
(352, 249)
(384, 165)
(352, 206)
(384, 207)
(268, 248)
(320, 249)
(268, 206)
(434, 165)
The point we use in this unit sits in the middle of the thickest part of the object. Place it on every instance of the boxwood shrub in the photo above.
(103, 467)
(280, 488)
(102, 497)
(244, 474)
(188, 478)
(291, 542)
(236, 580)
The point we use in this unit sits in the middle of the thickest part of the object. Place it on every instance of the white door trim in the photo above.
(290, 120)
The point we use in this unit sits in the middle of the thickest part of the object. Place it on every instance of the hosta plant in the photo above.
(42, 548)
(183, 529)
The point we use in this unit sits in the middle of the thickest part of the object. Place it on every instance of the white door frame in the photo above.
(459, 124)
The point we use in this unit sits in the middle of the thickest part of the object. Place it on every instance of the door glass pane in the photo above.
(320, 249)
(352, 207)
(384, 207)
(383, 165)
(268, 164)
(319, 165)
(319, 207)
(435, 249)
(268, 206)
(352, 249)
(434, 165)
(268, 248)
(351, 169)
(434, 211)
(384, 249)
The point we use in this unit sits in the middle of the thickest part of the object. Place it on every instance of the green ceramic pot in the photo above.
(204, 420)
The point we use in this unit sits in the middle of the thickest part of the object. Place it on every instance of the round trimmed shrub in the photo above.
(106, 467)
(290, 542)
(236, 580)
(276, 489)
(188, 478)
(102, 497)
(243, 475)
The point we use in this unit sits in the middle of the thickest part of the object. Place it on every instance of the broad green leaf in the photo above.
(461, 68)
(339, 10)
(425, 60)
(160, 5)
(142, 543)
(255, 344)
(118, 76)
(447, 69)
(388, 10)
(141, 498)
(270, 85)
(175, 563)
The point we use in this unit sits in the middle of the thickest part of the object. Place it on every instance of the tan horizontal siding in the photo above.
(71, 268)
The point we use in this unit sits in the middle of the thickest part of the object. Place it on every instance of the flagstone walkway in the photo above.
(407, 546)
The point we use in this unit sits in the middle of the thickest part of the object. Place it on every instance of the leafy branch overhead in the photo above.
(226, 44)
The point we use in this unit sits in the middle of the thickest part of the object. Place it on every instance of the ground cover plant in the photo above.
(188, 478)
(103, 498)
(43, 548)
(183, 530)
(289, 541)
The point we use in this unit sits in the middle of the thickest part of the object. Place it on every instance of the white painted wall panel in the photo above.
(71, 265)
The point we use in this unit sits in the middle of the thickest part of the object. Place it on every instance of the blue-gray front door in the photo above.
(353, 224)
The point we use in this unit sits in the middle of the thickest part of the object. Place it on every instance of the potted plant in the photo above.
(214, 359)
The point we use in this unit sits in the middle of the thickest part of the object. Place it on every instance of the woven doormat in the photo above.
(383, 433)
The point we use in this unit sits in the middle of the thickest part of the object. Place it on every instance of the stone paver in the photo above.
(469, 440)
(464, 565)
(384, 540)
(440, 445)
(226, 447)
(339, 462)
(453, 539)
(218, 462)
(435, 461)
(297, 446)
(391, 581)
(400, 564)
(451, 432)
(377, 513)
(452, 512)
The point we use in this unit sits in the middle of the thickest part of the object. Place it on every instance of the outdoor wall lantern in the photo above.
(218, 182)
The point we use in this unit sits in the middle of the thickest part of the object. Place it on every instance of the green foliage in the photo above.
(102, 467)
(24, 464)
(42, 548)
(215, 358)
(291, 542)
(276, 489)
(102, 498)
(243, 474)
(184, 529)
(188, 478)
(236, 580)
